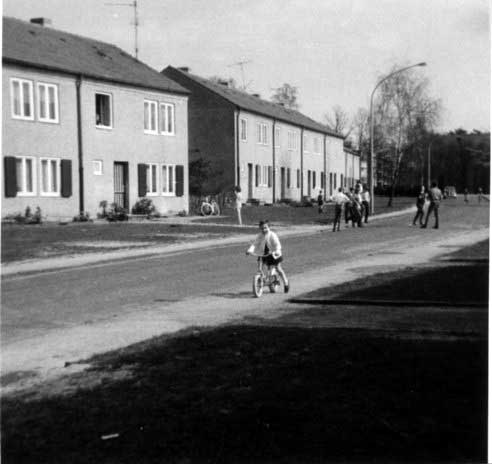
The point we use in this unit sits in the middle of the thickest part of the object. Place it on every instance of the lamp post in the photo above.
(370, 161)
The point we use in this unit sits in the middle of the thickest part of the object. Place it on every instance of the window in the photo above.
(152, 172)
(21, 98)
(25, 167)
(316, 145)
(261, 133)
(314, 179)
(50, 176)
(167, 118)
(244, 130)
(298, 183)
(277, 136)
(47, 102)
(167, 179)
(150, 117)
(291, 140)
(288, 177)
(306, 147)
(103, 110)
(265, 176)
(322, 177)
(97, 166)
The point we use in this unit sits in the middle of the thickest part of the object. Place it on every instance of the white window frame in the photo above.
(22, 192)
(151, 104)
(261, 133)
(21, 98)
(152, 190)
(317, 145)
(263, 181)
(277, 136)
(47, 102)
(305, 144)
(243, 134)
(166, 106)
(168, 192)
(291, 140)
(110, 97)
(56, 193)
(97, 167)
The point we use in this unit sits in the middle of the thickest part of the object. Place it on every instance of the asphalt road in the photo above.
(37, 304)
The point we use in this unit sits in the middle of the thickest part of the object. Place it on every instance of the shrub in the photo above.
(182, 213)
(81, 217)
(144, 206)
(103, 205)
(116, 213)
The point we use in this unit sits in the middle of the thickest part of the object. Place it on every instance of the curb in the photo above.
(372, 302)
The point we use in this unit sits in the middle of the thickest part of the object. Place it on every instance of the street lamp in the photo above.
(370, 168)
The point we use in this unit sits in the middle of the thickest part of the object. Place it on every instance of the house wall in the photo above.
(313, 163)
(41, 139)
(127, 142)
(335, 162)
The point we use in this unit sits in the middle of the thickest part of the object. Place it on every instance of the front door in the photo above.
(120, 173)
(282, 183)
(250, 181)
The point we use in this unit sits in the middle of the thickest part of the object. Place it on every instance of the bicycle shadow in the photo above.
(232, 295)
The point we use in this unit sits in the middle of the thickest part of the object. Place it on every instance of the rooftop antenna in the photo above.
(135, 20)
(241, 65)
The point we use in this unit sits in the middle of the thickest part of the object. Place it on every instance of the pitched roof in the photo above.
(46, 48)
(257, 105)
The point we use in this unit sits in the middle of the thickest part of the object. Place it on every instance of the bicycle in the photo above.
(209, 207)
(267, 276)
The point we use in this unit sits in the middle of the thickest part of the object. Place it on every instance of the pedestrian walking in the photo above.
(465, 194)
(238, 203)
(419, 216)
(348, 206)
(435, 197)
(366, 202)
(356, 212)
(340, 200)
(320, 202)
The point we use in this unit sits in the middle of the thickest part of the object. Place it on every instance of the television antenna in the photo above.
(241, 66)
(135, 20)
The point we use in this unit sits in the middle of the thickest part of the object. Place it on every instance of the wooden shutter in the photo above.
(257, 175)
(66, 178)
(179, 180)
(10, 176)
(142, 180)
(269, 176)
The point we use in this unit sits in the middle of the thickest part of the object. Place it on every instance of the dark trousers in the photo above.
(419, 215)
(433, 207)
(365, 205)
(338, 217)
(356, 216)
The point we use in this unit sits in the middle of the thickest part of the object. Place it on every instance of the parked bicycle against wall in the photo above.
(209, 207)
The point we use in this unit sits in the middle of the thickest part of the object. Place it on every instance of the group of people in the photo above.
(434, 196)
(354, 203)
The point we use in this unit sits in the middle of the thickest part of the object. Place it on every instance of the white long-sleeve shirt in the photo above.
(270, 240)
(340, 198)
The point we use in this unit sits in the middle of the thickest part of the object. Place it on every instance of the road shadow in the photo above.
(251, 393)
(234, 295)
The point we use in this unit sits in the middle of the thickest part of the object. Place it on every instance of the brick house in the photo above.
(84, 122)
(272, 152)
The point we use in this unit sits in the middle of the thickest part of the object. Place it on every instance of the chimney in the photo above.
(184, 69)
(41, 21)
(257, 95)
(224, 82)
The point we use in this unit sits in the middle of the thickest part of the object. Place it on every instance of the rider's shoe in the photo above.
(286, 289)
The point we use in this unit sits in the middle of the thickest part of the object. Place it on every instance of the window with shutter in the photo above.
(257, 175)
(142, 180)
(179, 180)
(66, 178)
(10, 178)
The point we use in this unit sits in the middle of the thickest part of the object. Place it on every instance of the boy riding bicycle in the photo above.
(267, 245)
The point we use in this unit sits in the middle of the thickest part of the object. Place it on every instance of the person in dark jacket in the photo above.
(435, 197)
(420, 207)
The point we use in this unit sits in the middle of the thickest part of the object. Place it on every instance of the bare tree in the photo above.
(286, 95)
(360, 125)
(404, 115)
(339, 121)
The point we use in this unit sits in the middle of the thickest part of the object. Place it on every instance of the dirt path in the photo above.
(49, 356)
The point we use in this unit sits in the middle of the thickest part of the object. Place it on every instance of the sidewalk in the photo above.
(78, 260)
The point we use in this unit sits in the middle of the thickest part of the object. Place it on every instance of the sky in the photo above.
(333, 51)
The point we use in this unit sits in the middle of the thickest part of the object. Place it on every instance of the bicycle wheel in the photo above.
(215, 209)
(257, 285)
(275, 285)
(206, 209)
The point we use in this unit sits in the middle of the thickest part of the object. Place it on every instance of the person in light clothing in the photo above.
(340, 200)
(267, 244)
(366, 202)
(238, 202)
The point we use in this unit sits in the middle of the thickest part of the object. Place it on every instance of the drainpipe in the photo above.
(274, 168)
(78, 84)
(237, 169)
(324, 168)
(302, 162)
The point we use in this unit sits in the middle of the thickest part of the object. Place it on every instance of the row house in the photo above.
(352, 167)
(84, 122)
(273, 153)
